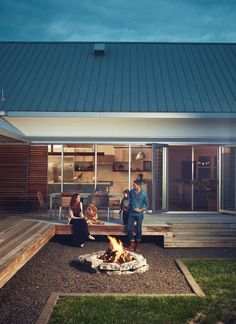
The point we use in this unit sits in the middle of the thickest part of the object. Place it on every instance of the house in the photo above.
(87, 116)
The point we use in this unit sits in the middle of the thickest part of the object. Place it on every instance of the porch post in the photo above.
(219, 175)
(96, 166)
(62, 167)
(154, 177)
(129, 176)
(165, 197)
(192, 182)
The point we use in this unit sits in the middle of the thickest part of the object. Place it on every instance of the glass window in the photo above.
(180, 176)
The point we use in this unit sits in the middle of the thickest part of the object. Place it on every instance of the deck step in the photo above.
(193, 244)
(204, 232)
(204, 241)
(206, 238)
(178, 226)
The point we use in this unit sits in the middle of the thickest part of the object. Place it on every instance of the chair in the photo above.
(42, 204)
(113, 204)
(65, 203)
(101, 202)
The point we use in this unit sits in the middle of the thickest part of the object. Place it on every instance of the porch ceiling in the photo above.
(123, 129)
(9, 134)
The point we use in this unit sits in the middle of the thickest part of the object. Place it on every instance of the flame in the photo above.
(117, 247)
(116, 253)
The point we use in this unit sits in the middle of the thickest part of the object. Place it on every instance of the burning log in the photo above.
(116, 253)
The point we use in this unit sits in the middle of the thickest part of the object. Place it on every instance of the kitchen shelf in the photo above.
(84, 166)
(123, 167)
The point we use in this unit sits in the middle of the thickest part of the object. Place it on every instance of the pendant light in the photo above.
(140, 155)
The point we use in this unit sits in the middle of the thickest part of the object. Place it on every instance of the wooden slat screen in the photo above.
(38, 175)
(13, 178)
(228, 170)
(159, 170)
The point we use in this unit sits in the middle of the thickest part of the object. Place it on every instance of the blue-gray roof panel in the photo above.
(129, 77)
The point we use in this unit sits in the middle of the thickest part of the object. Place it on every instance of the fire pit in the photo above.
(115, 260)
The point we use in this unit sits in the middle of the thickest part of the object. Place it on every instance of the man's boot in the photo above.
(138, 247)
(132, 246)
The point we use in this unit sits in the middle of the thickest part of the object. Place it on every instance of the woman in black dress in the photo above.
(80, 232)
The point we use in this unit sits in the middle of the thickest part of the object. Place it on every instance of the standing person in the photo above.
(138, 204)
(80, 232)
(124, 206)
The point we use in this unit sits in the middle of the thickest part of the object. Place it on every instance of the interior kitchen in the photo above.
(103, 172)
(98, 169)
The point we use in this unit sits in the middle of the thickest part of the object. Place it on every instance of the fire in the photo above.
(117, 246)
(116, 252)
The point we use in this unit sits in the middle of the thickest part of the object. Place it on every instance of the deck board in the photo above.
(20, 240)
(15, 231)
(111, 229)
(12, 242)
(5, 224)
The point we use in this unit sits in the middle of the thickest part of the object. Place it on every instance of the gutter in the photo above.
(174, 115)
(130, 140)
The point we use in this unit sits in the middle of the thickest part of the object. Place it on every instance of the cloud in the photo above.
(119, 20)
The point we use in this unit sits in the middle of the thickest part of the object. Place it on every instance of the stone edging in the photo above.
(48, 308)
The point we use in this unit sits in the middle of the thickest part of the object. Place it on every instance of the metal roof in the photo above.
(129, 77)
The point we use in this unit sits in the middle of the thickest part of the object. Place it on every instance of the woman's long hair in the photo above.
(74, 205)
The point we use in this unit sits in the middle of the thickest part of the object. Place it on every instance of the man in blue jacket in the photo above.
(138, 204)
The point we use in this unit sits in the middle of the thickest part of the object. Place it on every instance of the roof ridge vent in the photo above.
(99, 49)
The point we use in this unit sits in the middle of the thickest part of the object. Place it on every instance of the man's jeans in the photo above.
(131, 220)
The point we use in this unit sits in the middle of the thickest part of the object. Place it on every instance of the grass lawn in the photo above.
(216, 278)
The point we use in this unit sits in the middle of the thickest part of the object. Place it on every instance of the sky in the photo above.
(118, 20)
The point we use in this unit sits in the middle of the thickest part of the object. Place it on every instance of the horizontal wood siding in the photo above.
(38, 175)
(13, 178)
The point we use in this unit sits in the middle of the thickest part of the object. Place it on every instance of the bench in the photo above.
(113, 230)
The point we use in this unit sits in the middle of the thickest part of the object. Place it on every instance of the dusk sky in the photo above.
(120, 20)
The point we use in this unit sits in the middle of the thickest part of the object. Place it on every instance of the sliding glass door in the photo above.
(205, 184)
(193, 178)
(180, 178)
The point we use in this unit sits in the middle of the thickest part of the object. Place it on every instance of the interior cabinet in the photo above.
(106, 159)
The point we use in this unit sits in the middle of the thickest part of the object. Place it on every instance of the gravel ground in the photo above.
(24, 296)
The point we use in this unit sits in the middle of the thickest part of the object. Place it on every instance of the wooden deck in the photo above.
(20, 239)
